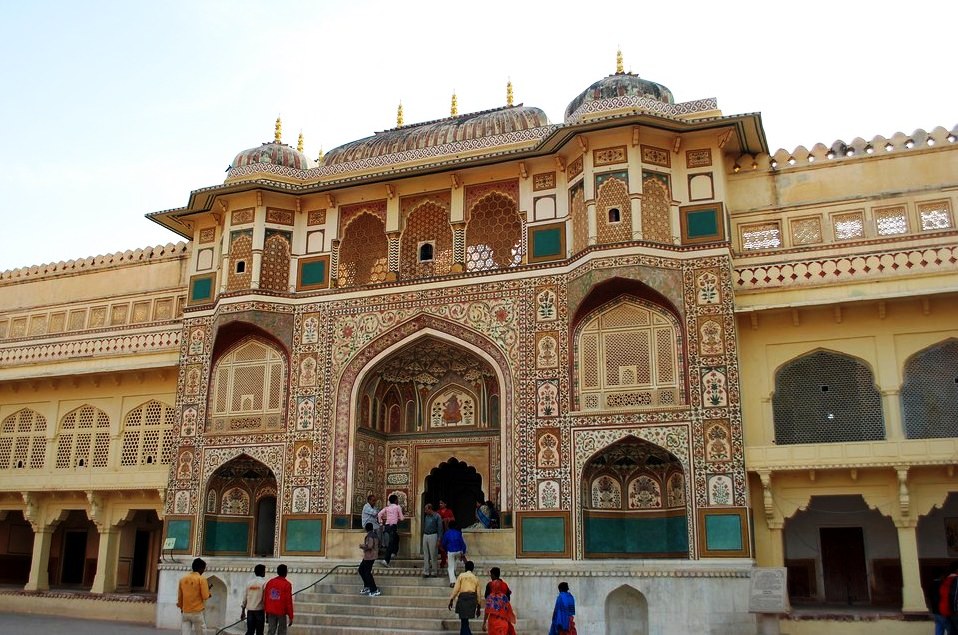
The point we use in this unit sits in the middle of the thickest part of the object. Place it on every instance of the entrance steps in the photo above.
(409, 605)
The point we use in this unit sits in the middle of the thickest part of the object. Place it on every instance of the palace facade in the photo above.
(665, 354)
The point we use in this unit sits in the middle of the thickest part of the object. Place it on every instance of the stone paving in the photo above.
(53, 625)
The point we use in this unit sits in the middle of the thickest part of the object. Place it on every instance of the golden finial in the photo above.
(619, 65)
(299, 143)
(399, 118)
(454, 110)
(319, 159)
(278, 135)
(509, 93)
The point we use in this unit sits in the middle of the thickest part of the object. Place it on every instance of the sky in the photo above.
(114, 110)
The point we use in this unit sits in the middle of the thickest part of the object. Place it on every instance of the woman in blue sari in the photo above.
(563, 615)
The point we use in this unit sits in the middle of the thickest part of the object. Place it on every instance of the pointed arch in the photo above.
(83, 439)
(364, 251)
(928, 392)
(248, 387)
(148, 435)
(23, 440)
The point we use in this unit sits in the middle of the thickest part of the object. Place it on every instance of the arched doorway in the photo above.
(634, 502)
(626, 612)
(459, 485)
(240, 516)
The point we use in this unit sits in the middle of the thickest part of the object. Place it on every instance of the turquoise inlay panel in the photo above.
(546, 242)
(313, 273)
(304, 534)
(602, 178)
(543, 534)
(631, 535)
(723, 532)
(202, 289)
(343, 521)
(225, 537)
(702, 223)
(180, 529)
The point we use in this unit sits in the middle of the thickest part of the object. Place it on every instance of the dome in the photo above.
(486, 123)
(620, 84)
(274, 152)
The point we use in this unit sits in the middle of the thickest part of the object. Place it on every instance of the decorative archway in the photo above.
(233, 508)
(360, 365)
(634, 499)
(459, 485)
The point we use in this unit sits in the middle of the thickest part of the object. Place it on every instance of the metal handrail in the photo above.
(305, 588)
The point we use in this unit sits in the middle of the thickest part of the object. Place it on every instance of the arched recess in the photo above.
(627, 508)
(236, 526)
(358, 368)
(364, 251)
(928, 392)
(826, 397)
(626, 612)
(248, 386)
(629, 349)
(495, 234)
(23, 440)
(840, 549)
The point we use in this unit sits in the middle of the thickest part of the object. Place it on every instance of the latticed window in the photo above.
(825, 397)
(84, 439)
(148, 435)
(929, 396)
(890, 221)
(494, 236)
(613, 196)
(248, 386)
(23, 440)
(364, 252)
(656, 208)
(759, 236)
(241, 261)
(426, 226)
(628, 358)
(275, 270)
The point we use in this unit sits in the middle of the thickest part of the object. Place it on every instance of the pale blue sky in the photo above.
(112, 110)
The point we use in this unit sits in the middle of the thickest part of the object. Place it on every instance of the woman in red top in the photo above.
(499, 618)
(446, 515)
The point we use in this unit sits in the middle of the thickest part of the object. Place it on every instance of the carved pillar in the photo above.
(458, 247)
(891, 406)
(912, 598)
(774, 521)
(591, 220)
(635, 201)
(392, 264)
(106, 559)
(334, 264)
(42, 538)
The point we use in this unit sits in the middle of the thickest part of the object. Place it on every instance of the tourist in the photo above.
(494, 522)
(253, 611)
(499, 619)
(390, 517)
(563, 615)
(431, 523)
(191, 597)
(371, 515)
(484, 511)
(465, 595)
(447, 517)
(455, 547)
(370, 547)
(278, 602)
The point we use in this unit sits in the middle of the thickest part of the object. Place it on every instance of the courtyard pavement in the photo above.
(51, 625)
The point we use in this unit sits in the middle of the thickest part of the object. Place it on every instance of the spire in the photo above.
(619, 65)
(299, 143)
(319, 159)
(509, 93)
(399, 117)
(454, 109)
(278, 135)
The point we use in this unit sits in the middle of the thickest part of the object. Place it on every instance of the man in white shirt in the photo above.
(253, 611)
(371, 515)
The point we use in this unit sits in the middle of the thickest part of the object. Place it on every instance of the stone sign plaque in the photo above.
(768, 591)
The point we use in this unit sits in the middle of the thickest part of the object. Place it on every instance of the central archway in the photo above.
(240, 511)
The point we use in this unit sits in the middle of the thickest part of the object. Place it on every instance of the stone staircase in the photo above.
(409, 605)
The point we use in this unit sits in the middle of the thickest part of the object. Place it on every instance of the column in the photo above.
(39, 579)
(458, 247)
(392, 265)
(106, 559)
(912, 598)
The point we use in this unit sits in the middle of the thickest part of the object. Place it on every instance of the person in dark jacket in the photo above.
(455, 546)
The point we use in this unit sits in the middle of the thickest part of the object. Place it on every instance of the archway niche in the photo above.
(841, 552)
(459, 485)
(626, 612)
(634, 502)
(240, 509)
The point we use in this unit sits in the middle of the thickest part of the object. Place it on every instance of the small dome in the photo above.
(620, 85)
(274, 152)
(435, 133)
